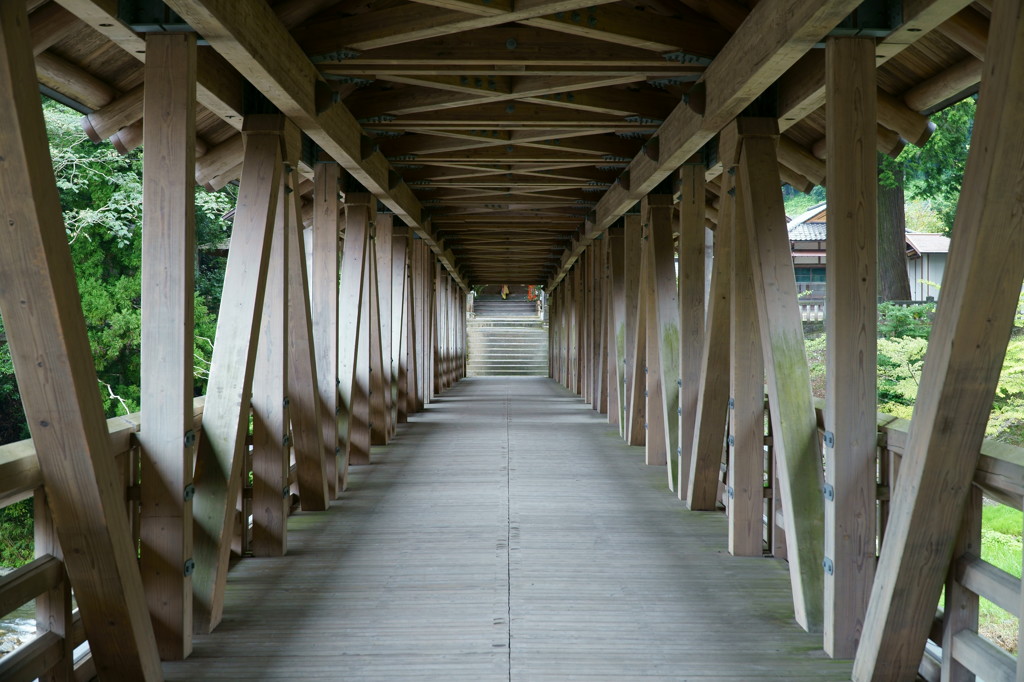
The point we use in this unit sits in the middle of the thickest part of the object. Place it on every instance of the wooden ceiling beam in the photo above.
(633, 27)
(503, 46)
(413, 22)
(369, 68)
(289, 80)
(218, 85)
(729, 14)
(417, 99)
(649, 103)
(760, 51)
(49, 25)
(731, 84)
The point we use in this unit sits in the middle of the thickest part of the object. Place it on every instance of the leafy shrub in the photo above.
(897, 321)
(16, 534)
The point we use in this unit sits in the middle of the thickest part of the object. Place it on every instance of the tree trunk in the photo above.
(893, 280)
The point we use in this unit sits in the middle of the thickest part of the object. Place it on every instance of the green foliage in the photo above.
(900, 361)
(897, 321)
(922, 216)
(797, 202)
(101, 200)
(998, 518)
(935, 172)
(16, 529)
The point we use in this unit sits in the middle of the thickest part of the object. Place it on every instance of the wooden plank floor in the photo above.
(507, 533)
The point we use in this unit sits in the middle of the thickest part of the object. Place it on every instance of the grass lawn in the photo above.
(1001, 546)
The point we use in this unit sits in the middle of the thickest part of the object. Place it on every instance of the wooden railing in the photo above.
(954, 642)
(955, 650)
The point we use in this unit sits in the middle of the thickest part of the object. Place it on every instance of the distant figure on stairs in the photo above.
(504, 291)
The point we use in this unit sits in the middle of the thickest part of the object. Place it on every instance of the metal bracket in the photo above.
(732, 493)
(830, 439)
(286, 440)
(829, 567)
(829, 492)
(286, 491)
(189, 492)
(731, 441)
(732, 404)
(190, 438)
(286, 401)
(190, 567)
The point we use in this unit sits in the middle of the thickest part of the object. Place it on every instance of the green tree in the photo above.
(933, 173)
(101, 200)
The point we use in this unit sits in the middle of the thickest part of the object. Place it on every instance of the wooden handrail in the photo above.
(19, 467)
(28, 582)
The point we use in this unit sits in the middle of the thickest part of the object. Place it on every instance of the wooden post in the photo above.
(601, 327)
(691, 307)
(616, 326)
(325, 308)
(664, 323)
(712, 406)
(50, 351)
(226, 414)
(794, 425)
(168, 294)
(399, 331)
(746, 381)
(53, 607)
(579, 351)
(312, 454)
(357, 227)
(385, 228)
(412, 389)
(636, 341)
(360, 431)
(965, 354)
(655, 452)
(270, 438)
(375, 379)
(851, 329)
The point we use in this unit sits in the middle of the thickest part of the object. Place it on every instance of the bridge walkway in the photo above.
(507, 533)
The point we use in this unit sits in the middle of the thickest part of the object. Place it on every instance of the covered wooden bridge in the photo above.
(577, 144)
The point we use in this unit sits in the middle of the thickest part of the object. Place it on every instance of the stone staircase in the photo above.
(506, 338)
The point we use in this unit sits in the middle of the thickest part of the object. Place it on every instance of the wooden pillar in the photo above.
(325, 308)
(664, 323)
(691, 307)
(712, 406)
(270, 421)
(601, 328)
(616, 326)
(168, 317)
(375, 334)
(794, 425)
(361, 431)
(50, 351)
(357, 227)
(385, 229)
(420, 322)
(53, 607)
(312, 454)
(636, 339)
(746, 414)
(851, 329)
(965, 353)
(650, 381)
(399, 331)
(412, 332)
(226, 414)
